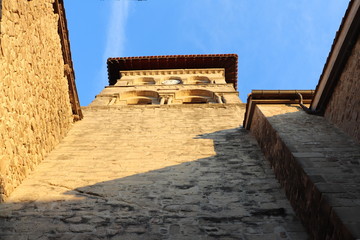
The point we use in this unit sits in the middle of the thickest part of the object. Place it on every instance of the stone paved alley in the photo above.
(153, 172)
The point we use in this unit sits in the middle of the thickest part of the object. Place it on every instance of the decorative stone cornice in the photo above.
(173, 72)
(68, 65)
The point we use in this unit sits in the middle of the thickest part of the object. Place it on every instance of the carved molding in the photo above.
(68, 65)
(173, 72)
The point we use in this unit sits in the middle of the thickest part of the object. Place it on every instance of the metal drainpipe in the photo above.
(305, 108)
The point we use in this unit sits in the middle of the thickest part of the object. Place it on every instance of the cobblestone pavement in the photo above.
(171, 172)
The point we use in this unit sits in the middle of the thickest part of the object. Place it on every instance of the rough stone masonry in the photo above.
(35, 111)
(153, 172)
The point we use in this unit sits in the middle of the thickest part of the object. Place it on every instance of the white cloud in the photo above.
(206, 24)
(116, 29)
(116, 37)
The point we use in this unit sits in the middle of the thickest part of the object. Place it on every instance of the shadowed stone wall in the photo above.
(343, 108)
(34, 101)
(317, 164)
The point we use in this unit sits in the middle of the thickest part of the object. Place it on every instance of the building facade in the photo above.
(167, 150)
(314, 147)
(38, 97)
(160, 154)
(159, 80)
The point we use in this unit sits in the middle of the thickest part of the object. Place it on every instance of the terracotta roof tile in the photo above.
(327, 84)
(227, 61)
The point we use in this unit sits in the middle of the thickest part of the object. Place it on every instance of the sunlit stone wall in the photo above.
(35, 110)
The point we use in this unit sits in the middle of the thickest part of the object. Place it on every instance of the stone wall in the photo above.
(318, 166)
(153, 172)
(34, 101)
(343, 108)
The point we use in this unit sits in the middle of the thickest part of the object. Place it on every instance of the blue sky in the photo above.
(281, 44)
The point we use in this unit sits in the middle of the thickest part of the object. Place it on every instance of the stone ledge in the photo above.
(327, 206)
(217, 105)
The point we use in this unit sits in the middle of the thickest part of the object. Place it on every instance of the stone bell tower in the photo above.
(159, 154)
(171, 80)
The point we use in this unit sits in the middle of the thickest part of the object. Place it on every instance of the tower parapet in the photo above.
(205, 79)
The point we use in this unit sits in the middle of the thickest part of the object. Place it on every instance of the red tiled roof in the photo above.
(227, 61)
(343, 43)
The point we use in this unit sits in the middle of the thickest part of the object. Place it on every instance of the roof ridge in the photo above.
(176, 56)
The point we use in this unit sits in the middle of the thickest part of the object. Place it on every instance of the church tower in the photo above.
(180, 79)
(159, 154)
